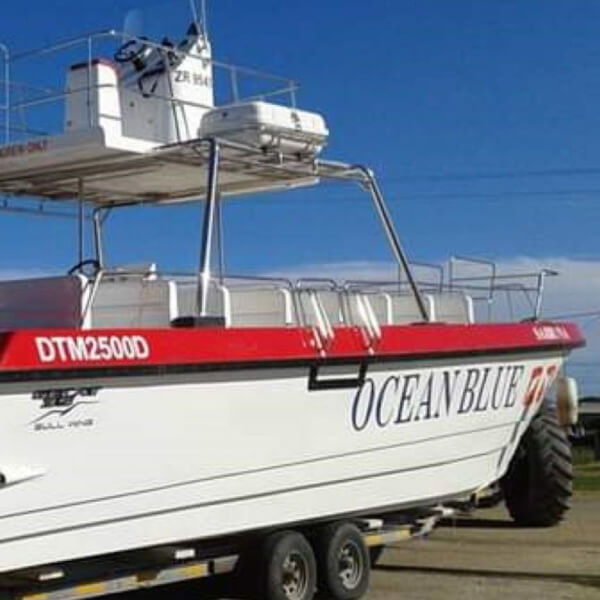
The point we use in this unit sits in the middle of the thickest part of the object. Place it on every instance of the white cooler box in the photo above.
(268, 126)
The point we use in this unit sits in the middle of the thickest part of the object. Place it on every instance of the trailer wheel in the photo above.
(290, 571)
(344, 562)
(539, 483)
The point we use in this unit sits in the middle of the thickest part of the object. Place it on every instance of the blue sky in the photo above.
(480, 118)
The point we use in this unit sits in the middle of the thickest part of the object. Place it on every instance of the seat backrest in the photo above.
(130, 302)
(249, 306)
(311, 312)
(318, 304)
(42, 303)
(331, 303)
(321, 309)
(381, 307)
(453, 307)
(405, 308)
(184, 300)
(359, 310)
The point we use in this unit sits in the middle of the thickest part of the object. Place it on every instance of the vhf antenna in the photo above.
(199, 16)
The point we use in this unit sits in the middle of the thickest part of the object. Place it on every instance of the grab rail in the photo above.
(231, 86)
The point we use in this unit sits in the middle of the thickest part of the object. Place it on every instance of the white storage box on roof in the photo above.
(268, 126)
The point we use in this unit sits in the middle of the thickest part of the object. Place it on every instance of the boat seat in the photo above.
(404, 308)
(262, 306)
(381, 306)
(125, 301)
(320, 308)
(453, 307)
(360, 310)
(239, 306)
(330, 302)
(42, 303)
(184, 300)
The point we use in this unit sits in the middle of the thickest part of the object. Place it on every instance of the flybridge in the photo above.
(149, 110)
(150, 126)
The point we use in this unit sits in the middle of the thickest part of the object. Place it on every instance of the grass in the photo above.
(587, 478)
(587, 470)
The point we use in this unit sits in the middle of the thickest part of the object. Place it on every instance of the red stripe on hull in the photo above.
(75, 349)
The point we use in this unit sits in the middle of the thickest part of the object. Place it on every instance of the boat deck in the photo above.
(117, 176)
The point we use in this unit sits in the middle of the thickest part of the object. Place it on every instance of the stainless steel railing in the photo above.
(230, 84)
(5, 106)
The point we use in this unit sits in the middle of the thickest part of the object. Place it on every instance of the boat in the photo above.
(141, 408)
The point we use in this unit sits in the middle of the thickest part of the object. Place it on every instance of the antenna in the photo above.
(199, 16)
(204, 18)
(133, 25)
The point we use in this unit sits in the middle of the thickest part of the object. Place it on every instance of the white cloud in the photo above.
(340, 271)
(575, 291)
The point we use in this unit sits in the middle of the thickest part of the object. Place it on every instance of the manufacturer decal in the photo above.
(83, 348)
(62, 410)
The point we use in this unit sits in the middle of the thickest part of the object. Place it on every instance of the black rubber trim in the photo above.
(73, 374)
(335, 383)
(197, 322)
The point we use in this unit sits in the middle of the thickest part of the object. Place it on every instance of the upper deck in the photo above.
(175, 172)
(100, 127)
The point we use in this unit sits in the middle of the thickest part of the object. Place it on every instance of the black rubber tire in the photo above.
(539, 483)
(344, 562)
(278, 549)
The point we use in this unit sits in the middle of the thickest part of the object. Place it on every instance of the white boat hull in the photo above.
(143, 463)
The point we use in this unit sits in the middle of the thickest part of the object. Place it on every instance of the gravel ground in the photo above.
(484, 557)
(480, 557)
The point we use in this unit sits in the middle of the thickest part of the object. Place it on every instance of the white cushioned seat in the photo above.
(453, 307)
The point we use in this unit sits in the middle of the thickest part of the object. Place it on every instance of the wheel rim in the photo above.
(350, 565)
(295, 576)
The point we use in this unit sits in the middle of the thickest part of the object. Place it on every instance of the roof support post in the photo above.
(211, 212)
(81, 220)
(392, 236)
(221, 241)
(98, 220)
